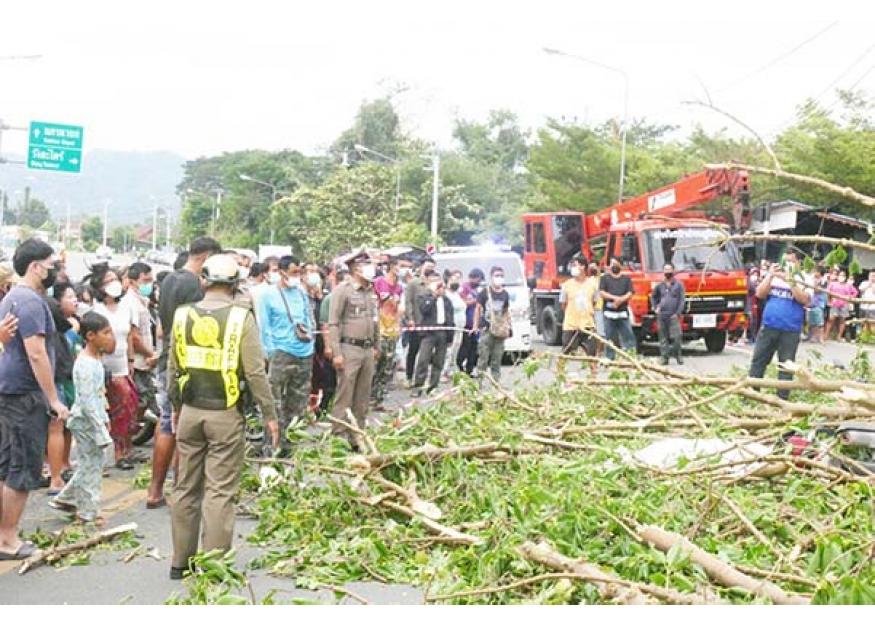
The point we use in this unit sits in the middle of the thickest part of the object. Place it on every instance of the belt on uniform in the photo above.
(363, 343)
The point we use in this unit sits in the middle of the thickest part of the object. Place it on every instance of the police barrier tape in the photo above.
(423, 329)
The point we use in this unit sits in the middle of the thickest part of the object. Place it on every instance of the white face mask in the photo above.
(434, 286)
(575, 271)
(498, 280)
(82, 308)
(113, 289)
(294, 282)
(314, 280)
(273, 277)
(403, 271)
(369, 272)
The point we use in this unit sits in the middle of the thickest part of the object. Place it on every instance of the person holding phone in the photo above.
(28, 396)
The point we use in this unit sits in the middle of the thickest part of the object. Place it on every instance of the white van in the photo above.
(465, 259)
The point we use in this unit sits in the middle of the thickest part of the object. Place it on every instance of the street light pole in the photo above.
(105, 217)
(436, 180)
(394, 161)
(274, 195)
(625, 76)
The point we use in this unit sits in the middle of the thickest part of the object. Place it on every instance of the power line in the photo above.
(778, 59)
(829, 88)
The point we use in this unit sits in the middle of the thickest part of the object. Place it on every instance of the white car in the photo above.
(465, 259)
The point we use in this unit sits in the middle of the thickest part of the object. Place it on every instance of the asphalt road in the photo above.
(108, 580)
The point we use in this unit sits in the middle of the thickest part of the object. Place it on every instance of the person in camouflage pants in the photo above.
(290, 385)
(287, 329)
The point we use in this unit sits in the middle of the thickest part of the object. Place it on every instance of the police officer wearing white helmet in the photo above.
(214, 350)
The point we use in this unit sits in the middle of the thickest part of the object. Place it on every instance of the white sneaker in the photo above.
(150, 416)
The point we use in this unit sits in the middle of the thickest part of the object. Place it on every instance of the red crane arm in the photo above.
(694, 190)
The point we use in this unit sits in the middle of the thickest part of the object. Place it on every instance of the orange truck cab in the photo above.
(644, 233)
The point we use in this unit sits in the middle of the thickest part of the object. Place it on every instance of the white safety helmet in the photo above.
(221, 269)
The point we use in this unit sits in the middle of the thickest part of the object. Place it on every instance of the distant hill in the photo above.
(133, 182)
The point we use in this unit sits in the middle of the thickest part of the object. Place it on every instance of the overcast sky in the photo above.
(201, 78)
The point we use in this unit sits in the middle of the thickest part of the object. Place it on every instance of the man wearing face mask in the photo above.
(140, 285)
(668, 299)
(492, 319)
(437, 311)
(287, 330)
(783, 317)
(354, 336)
(413, 317)
(183, 286)
(389, 293)
(28, 397)
(616, 291)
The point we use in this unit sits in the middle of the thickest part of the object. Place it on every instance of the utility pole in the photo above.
(155, 228)
(167, 215)
(67, 228)
(105, 217)
(436, 166)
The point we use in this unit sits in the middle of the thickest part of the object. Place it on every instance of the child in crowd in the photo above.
(88, 421)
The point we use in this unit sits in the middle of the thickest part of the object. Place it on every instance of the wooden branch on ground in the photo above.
(610, 587)
(430, 453)
(444, 534)
(56, 553)
(716, 569)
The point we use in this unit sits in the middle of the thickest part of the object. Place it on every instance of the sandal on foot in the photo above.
(25, 550)
(125, 464)
(62, 505)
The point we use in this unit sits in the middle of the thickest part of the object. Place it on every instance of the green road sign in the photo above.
(56, 147)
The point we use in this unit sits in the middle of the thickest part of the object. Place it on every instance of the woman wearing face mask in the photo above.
(121, 394)
(839, 309)
(63, 304)
(453, 293)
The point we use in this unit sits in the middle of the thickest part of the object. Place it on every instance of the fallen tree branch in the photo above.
(716, 569)
(345, 591)
(609, 587)
(431, 453)
(56, 553)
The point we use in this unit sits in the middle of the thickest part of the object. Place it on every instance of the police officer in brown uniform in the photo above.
(214, 349)
(354, 335)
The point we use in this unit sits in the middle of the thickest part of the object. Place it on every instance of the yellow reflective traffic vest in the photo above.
(208, 355)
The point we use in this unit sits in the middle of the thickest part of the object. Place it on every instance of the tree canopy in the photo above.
(374, 185)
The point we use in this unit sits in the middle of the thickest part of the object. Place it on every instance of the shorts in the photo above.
(572, 339)
(815, 317)
(24, 432)
(839, 313)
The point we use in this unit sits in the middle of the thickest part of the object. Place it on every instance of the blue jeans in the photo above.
(619, 329)
(769, 341)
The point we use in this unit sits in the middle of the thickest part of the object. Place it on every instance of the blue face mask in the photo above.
(146, 290)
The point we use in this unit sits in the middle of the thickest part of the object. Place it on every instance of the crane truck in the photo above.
(643, 233)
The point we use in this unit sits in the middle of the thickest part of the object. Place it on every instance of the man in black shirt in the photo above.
(183, 286)
(616, 291)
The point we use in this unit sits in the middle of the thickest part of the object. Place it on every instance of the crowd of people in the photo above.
(222, 335)
(840, 308)
(193, 348)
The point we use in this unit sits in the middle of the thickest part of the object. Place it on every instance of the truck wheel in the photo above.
(550, 328)
(715, 341)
